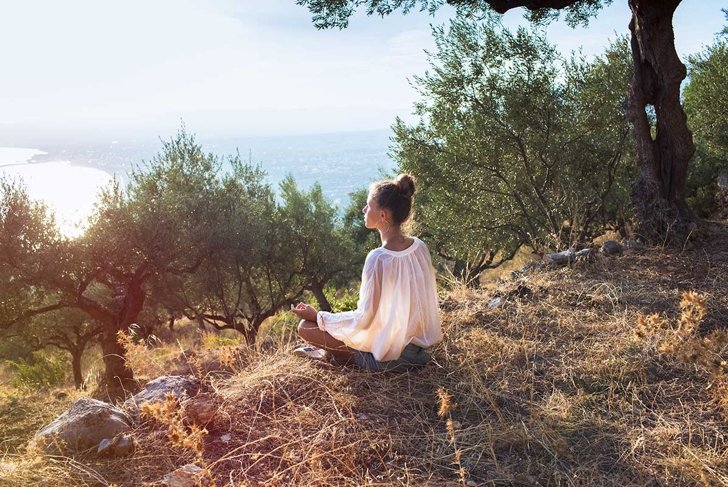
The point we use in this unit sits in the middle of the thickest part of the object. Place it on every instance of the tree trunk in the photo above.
(318, 293)
(76, 355)
(467, 273)
(663, 152)
(118, 376)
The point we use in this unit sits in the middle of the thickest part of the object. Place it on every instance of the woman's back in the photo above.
(397, 304)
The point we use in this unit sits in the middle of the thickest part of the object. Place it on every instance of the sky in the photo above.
(238, 67)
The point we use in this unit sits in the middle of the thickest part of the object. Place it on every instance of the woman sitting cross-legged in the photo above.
(397, 315)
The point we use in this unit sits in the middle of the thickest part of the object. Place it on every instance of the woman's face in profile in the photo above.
(373, 215)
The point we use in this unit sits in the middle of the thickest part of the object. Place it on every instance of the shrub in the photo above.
(39, 370)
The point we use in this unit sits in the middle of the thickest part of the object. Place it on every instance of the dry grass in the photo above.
(596, 375)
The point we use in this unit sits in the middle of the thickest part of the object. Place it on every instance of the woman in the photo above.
(397, 315)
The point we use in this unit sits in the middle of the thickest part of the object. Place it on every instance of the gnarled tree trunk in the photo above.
(118, 377)
(663, 152)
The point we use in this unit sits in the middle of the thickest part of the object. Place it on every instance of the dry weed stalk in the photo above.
(447, 406)
(170, 413)
(138, 356)
(683, 342)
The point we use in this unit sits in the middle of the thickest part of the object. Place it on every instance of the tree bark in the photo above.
(663, 151)
(127, 306)
(318, 293)
(118, 376)
(76, 355)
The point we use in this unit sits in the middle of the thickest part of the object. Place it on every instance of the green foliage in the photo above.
(40, 370)
(514, 145)
(212, 341)
(314, 235)
(182, 238)
(29, 248)
(706, 106)
(281, 326)
(336, 13)
(342, 299)
(362, 238)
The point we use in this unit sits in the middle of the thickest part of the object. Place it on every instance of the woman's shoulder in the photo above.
(379, 252)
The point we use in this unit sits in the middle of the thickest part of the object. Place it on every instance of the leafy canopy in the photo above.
(336, 13)
(514, 145)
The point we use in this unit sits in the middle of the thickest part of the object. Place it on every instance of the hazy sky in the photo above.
(236, 67)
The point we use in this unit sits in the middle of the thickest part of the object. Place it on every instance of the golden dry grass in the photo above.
(572, 383)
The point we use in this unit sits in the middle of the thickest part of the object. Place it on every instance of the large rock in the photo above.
(82, 427)
(156, 390)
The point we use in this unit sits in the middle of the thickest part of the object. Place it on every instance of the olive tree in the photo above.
(663, 144)
(138, 232)
(707, 108)
(514, 145)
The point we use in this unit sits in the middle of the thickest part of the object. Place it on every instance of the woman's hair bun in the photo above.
(406, 184)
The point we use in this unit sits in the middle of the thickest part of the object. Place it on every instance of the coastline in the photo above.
(13, 156)
(68, 190)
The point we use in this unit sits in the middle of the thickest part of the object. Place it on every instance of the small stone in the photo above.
(201, 410)
(188, 476)
(123, 446)
(362, 416)
(631, 244)
(722, 181)
(611, 247)
(226, 438)
(496, 303)
(105, 447)
(560, 258)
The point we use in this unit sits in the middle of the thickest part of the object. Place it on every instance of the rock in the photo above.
(496, 303)
(83, 426)
(156, 390)
(722, 182)
(104, 449)
(226, 438)
(521, 291)
(611, 247)
(202, 409)
(188, 476)
(583, 253)
(123, 445)
(559, 259)
(632, 244)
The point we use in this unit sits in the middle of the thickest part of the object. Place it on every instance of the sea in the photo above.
(67, 175)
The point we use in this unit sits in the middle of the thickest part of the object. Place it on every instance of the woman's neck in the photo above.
(393, 238)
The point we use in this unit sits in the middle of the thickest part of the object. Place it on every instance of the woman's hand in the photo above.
(305, 312)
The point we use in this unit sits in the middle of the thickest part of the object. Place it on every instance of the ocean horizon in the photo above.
(68, 176)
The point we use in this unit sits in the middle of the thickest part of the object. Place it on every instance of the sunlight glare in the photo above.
(70, 191)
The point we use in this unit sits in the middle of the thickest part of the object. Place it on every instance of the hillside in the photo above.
(570, 382)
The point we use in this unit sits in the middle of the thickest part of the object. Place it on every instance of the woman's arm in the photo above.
(340, 325)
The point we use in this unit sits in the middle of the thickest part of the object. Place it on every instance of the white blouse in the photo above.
(397, 305)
